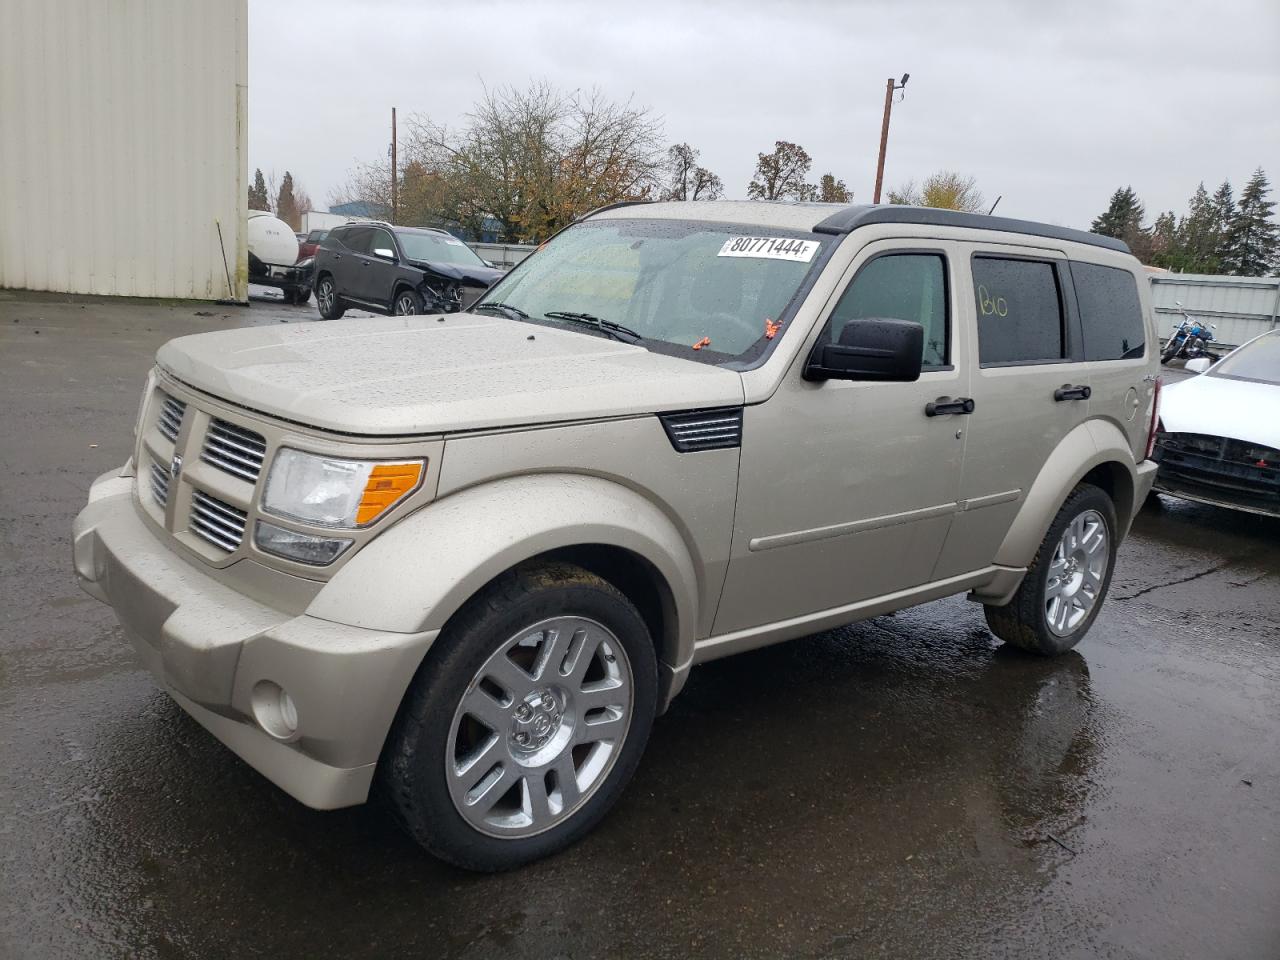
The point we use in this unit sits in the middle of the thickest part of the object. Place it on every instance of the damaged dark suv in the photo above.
(397, 270)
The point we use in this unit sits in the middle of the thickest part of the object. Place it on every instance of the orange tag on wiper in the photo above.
(704, 342)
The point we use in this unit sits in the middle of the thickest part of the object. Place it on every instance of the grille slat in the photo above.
(704, 429)
(234, 450)
(169, 421)
(159, 484)
(219, 523)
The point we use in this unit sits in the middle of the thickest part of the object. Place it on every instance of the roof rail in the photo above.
(862, 215)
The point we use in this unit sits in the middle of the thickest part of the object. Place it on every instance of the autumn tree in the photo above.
(532, 159)
(258, 198)
(686, 179)
(945, 189)
(831, 190)
(780, 175)
(1252, 242)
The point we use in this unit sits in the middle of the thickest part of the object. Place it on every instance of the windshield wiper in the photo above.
(505, 308)
(615, 330)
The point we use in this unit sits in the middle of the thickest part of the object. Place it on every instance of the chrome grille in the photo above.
(169, 421)
(704, 429)
(234, 449)
(219, 523)
(159, 484)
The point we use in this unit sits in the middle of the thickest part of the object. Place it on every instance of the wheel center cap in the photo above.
(536, 719)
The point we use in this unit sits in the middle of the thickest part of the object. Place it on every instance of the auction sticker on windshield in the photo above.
(770, 248)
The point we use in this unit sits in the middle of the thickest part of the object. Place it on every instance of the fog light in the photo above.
(301, 547)
(274, 709)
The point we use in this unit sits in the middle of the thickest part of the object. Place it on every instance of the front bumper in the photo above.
(220, 654)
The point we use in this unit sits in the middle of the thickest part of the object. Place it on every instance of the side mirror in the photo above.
(1198, 365)
(872, 349)
(384, 253)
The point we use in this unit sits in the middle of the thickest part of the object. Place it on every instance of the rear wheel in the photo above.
(327, 299)
(1066, 583)
(526, 722)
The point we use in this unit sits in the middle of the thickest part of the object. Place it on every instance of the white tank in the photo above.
(271, 240)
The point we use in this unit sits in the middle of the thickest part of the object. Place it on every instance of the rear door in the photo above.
(354, 250)
(1029, 389)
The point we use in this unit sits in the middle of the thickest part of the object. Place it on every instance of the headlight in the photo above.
(333, 492)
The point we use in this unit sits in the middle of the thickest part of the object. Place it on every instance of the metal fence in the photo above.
(505, 255)
(1242, 307)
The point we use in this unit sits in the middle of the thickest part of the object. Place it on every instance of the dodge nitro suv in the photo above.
(467, 558)
(397, 270)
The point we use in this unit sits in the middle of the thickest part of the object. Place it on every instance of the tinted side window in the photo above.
(1110, 312)
(1019, 311)
(355, 238)
(900, 286)
(381, 240)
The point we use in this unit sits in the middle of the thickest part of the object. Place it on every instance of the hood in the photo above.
(477, 274)
(436, 374)
(1222, 407)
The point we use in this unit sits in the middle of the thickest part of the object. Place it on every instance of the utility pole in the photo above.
(394, 176)
(890, 87)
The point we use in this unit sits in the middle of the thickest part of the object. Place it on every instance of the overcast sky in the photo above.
(1050, 105)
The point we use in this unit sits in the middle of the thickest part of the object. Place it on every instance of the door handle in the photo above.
(1068, 392)
(945, 406)
(364, 263)
(337, 256)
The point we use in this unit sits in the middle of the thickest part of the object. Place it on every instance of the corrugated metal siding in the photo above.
(1242, 307)
(122, 144)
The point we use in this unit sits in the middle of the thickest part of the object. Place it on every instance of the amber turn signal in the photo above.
(387, 485)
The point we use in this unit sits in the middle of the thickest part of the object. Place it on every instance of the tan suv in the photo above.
(476, 554)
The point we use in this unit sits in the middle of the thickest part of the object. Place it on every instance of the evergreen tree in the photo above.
(1224, 207)
(258, 199)
(286, 206)
(1252, 239)
(1164, 239)
(1122, 217)
(1199, 236)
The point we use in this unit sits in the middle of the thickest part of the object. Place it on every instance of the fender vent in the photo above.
(704, 429)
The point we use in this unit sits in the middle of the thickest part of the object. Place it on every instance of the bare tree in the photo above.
(946, 189)
(686, 180)
(780, 175)
(531, 159)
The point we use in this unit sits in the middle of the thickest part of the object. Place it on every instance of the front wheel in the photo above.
(1170, 351)
(526, 720)
(408, 303)
(1067, 581)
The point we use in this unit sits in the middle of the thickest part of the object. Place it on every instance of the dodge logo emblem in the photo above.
(175, 466)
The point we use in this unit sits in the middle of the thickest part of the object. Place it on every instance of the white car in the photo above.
(1219, 437)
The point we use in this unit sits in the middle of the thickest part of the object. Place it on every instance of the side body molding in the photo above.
(420, 572)
(1091, 444)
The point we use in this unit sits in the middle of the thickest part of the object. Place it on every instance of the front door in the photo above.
(378, 268)
(847, 489)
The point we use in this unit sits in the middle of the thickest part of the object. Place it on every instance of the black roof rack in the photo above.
(850, 218)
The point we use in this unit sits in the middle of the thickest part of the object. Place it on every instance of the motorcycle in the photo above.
(1190, 339)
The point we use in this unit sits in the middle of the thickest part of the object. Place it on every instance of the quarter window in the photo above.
(1019, 311)
(1110, 312)
(900, 286)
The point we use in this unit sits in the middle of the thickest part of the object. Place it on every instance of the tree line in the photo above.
(1218, 233)
(288, 201)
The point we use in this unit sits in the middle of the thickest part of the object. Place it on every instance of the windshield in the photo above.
(707, 291)
(439, 247)
(1259, 360)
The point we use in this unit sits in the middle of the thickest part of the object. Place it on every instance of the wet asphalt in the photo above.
(903, 787)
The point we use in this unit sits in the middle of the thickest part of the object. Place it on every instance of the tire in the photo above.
(327, 300)
(406, 303)
(301, 296)
(429, 769)
(1170, 351)
(1025, 621)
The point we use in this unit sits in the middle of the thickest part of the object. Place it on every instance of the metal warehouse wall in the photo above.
(122, 145)
(1242, 307)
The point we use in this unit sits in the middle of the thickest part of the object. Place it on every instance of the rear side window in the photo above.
(900, 286)
(1110, 312)
(315, 236)
(1019, 311)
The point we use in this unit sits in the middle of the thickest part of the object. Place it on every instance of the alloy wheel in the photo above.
(539, 727)
(1076, 573)
(326, 295)
(405, 305)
